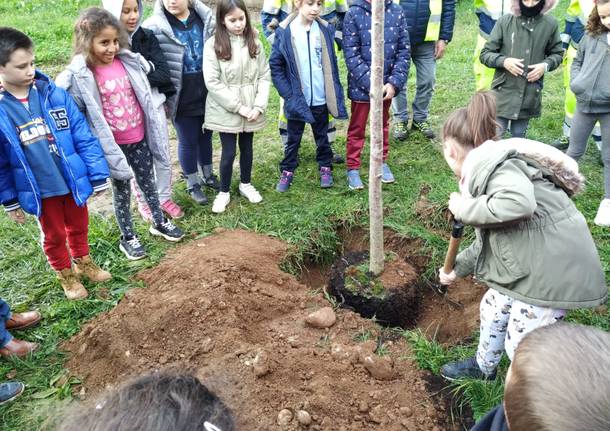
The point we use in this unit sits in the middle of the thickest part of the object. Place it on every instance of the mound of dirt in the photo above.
(221, 308)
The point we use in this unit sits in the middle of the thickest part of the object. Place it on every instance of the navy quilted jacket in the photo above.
(357, 48)
(418, 14)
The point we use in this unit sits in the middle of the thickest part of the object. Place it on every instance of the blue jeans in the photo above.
(422, 57)
(5, 314)
(194, 143)
(517, 128)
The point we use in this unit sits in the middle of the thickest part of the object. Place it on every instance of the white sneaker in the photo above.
(249, 192)
(603, 214)
(220, 202)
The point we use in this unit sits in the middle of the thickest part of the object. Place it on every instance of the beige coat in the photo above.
(241, 81)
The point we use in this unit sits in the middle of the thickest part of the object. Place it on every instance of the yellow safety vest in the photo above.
(434, 23)
(493, 8)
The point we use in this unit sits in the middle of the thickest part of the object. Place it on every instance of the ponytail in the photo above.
(474, 124)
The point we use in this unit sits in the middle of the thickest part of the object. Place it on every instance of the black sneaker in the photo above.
(466, 368)
(167, 230)
(424, 128)
(212, 182)
(197, 194)
(338, 159)
(132, 248)
(561, 143)
(10, 390)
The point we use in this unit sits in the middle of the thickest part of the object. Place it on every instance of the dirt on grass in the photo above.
(221, 308)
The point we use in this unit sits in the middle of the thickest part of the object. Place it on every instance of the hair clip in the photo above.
(209, 427)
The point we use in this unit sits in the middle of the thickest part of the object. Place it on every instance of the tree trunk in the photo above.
(376, 145)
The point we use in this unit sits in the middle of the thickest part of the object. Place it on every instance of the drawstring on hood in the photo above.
(531, 11)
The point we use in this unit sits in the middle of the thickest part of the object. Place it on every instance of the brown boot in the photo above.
(23, 320)
(69, 282)
(18, 348)
(85, 267)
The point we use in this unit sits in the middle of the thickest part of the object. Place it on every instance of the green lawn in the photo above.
(307, 217)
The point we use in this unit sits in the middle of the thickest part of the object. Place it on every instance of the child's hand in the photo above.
(514, 66)
(455, 202)
(17, 216)
(536, 72)
(446, 279)
(244, 111)
(254, 114)
(388, 91)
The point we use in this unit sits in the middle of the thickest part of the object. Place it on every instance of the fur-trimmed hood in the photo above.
(549, 5)
(556, 166)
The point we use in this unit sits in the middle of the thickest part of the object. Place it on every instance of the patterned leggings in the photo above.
(504, 323)
(140, 160)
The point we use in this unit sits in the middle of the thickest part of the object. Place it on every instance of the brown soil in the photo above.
(221, 308)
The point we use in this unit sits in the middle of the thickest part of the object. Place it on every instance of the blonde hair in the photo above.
(560, 380)
(89, 24)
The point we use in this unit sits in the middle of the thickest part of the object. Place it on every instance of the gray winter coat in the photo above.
(79, 81)
(532, 242)
(590, 77)
(172, 47)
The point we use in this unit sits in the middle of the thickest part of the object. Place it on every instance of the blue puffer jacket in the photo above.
(285, 73)
(357, 48)
(418, 14)
(83, 162)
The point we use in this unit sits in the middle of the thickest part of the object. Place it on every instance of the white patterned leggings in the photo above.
(504, 323)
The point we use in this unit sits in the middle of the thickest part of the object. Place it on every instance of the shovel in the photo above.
(457, 232)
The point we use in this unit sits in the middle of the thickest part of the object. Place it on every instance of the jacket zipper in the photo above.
(310, 71)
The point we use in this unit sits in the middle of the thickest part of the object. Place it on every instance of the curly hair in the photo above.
(594, 25)
(89, 24)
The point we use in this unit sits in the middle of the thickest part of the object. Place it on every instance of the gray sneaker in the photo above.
(468, 368)
(424, 128)
(401, 131)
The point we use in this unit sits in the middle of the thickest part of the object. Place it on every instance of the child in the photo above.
(558, 381)
(533, 248)
(50, 163)
(182, 28)
(522, 47)
(590, 84)
(154, 402)
(357, 48)
(305, 72)
(144, 42)
(110, 85)
(236, 74)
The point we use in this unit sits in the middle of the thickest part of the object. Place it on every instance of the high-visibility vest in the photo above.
(493, 8)
(434, 23)
(579, 10)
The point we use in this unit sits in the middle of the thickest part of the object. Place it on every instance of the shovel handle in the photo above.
(454, 244)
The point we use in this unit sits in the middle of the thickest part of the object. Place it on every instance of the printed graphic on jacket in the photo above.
(34, 131)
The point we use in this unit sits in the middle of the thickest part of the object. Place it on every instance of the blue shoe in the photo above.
(353, 180)
(10, 390)
(468, 368)
(326, 177)
(285, 180)
(386, 174)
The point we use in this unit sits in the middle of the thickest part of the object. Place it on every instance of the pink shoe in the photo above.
(172, 209)
(144, 211)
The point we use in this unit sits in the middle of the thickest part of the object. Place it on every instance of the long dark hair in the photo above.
(594, 25)
(222, 43)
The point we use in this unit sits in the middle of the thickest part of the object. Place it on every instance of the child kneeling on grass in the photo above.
(50, 163)
(237, 76)
(533, 248)
(110, 85)
(305, 72)
(559, 380)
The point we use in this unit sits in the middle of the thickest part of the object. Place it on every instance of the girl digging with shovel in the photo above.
(533, 248)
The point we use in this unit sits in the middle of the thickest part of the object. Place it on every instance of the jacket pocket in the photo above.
(503, 268)
(498, 81)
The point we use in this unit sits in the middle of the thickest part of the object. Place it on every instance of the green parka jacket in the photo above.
(535, 40)
(532, 244)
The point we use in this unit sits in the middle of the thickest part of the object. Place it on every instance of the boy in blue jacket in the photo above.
(50, 163)
(357, 49)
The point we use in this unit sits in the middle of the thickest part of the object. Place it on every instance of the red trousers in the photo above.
(357, 129)
(62, 219)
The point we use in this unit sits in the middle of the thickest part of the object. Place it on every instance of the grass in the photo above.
(307, 218)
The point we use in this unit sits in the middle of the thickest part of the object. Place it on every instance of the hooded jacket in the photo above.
(78, 79)
(82, 159)
(171, 45)
(240, 81)
(532, 244)
(590, 74)
(287, 80)
(145, 43)
(357, 48)
(535, 40)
